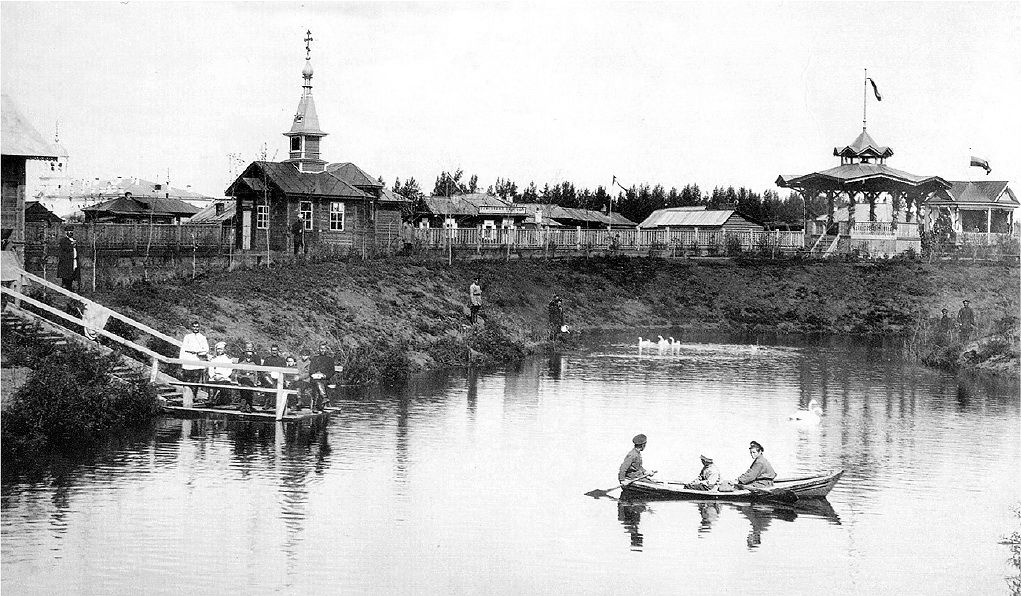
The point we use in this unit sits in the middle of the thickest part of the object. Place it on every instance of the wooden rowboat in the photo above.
(804, 487)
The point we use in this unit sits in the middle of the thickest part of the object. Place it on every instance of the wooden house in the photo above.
(475, 210)
(21, 143)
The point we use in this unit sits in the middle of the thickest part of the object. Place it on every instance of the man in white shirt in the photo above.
(219, 375)
(194, 346)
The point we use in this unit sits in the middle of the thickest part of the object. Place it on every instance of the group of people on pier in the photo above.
(224, 384)
(760, 474)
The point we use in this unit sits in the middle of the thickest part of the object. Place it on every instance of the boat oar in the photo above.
(780, 495)
(603, 493)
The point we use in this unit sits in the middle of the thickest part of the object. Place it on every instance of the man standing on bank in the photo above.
(966, 321)
(68, 266)
(631, 468)
(474, 300)
(298, 234)
(760, 474)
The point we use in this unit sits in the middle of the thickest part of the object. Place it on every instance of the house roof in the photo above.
(35, 211)
(209, 215)
(681, 216)
(289, 180)
(19, 137)
(467, 204)
(555, 212)
(387, 195)
(980, 193)
(863, 145)
(866, 174)
(144, 206)
(353, 175)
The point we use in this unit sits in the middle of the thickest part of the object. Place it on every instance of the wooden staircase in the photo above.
(22, 323)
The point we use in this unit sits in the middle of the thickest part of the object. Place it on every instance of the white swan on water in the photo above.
(663, 344)
(811, 415)
(644, 343)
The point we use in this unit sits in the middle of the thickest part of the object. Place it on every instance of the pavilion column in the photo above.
(908, 204)
(830, 198)
(850, 211)
(871, 198)
(989, 221)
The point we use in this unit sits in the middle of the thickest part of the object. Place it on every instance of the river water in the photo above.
(475, 482)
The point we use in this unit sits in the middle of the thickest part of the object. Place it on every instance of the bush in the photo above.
(72, 398)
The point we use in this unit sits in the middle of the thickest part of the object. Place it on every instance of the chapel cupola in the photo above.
(304, 135)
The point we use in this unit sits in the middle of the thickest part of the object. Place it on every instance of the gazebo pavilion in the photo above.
(863, 178)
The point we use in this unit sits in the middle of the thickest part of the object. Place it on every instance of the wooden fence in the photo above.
(133, 236)
(678, 241)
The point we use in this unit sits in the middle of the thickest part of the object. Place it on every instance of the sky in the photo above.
(668, 93)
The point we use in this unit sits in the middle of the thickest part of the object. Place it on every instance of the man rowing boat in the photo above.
(760, 474)
(631, 468)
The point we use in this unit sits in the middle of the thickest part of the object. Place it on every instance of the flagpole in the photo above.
(864, 100)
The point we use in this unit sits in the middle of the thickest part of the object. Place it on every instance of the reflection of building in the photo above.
(340, 204)
(22, 144)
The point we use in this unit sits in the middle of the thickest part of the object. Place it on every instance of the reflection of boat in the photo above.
(805, 487)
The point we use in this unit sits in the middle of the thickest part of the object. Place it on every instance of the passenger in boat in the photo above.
(321, 368)
(760, 474)
(303, 382)
(194, 346)
(247, 378)
(708, 478)
(291, 381)
(631, 467)
(219, 375)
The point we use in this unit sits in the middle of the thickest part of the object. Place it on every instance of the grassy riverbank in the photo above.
(70, 399)
(389, 317)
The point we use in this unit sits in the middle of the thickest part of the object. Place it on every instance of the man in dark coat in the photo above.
(966, 320)
(298, 234)
(321, 369)
(556, 317)
(68, 265)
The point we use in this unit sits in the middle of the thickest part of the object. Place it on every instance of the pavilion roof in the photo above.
(867, 176)
(863, 146)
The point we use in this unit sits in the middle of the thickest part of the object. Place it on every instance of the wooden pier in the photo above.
(176, 395)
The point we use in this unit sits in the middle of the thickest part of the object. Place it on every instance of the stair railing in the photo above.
(156, 360)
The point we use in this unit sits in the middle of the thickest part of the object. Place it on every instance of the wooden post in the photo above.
(698, 247)
(20, 287)
(154, 373)
(577, 238)
(281, 398)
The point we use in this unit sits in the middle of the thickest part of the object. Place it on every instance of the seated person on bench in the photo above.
(247, 378)
(220, 376)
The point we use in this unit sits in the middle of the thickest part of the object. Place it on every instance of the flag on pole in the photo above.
(981, 163)
(875, 90)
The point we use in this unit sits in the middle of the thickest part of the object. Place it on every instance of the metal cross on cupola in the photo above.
(308, 41)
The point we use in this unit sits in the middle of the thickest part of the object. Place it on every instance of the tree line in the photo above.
(636, 203)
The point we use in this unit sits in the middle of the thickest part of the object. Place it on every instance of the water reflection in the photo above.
(629, 513)
(759, 515)
(365, 487)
